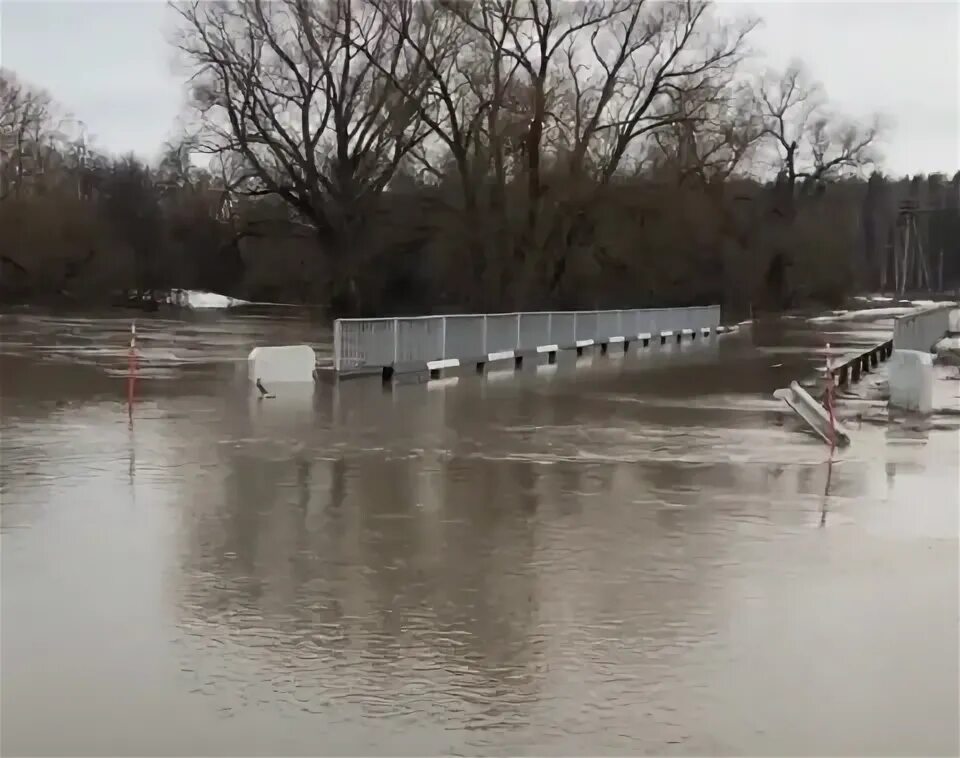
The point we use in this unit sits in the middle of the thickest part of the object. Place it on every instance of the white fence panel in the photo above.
(562, 330)
(412, 341)
(502, 332)
(586, 325)
(534, 330)
(466, 337)
(419, 340)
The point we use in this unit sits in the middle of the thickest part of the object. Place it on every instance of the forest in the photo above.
(376, 157)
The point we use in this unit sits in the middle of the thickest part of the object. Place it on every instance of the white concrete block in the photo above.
(282, 364)
(584, 343)
(614, 340)
(643, 336)
(442, 364)
(955, 321)
(503, 355)
(911, 380)
(547, 349)
(666, 334)
(687, 332)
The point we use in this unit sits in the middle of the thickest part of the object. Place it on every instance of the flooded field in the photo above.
(616, 555)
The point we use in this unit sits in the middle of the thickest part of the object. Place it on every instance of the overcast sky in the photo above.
(110, 64)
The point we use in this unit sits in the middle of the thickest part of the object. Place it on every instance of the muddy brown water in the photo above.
(621, 555)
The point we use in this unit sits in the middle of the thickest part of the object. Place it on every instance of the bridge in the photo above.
(440, 343)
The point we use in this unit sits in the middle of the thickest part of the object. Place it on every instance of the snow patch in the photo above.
(200, 300)
(871, 314)
(866, 314)
(931, 303)
(948, 347)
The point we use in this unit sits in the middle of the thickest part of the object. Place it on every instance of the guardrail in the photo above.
(814, 414)
(922, 329)
(852, 368)
(433, 342)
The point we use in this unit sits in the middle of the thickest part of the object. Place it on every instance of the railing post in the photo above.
(396, 341)
(518, 331)
(337, 345)
(550, 339)
(443, 344)
(574, 327)
(485, 350)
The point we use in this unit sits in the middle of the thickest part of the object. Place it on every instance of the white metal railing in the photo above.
(382, 342)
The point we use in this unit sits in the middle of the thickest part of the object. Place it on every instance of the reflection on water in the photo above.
(623, 557)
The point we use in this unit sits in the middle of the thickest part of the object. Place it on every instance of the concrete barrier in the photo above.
(911, 380)
(282, 364)
(813, 413)
(922, 329)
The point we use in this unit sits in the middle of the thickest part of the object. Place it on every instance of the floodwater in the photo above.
(621, 555)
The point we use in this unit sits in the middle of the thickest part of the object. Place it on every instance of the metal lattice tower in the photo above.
(911, 267)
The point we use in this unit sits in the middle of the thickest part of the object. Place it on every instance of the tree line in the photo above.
(376, 156)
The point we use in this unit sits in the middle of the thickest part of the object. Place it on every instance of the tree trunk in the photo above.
(338, 250)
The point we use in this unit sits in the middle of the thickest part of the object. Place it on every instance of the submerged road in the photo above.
(634, 555)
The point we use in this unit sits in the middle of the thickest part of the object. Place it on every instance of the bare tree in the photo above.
(25, 129)
(660, 65)
(471, 103)
(809, 141)
(717, 139)
(556, 97)
(284, 85)
(655, 68)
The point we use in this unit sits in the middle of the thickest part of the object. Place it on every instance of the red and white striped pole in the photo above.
(830, 386)
(833, 439)
(132, 370)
